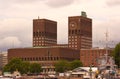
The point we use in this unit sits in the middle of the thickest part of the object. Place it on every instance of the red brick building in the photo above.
(80, 32)
(90, 56)
(44, 32)
(45, 56)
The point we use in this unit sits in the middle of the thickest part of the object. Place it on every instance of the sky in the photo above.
(16, 20)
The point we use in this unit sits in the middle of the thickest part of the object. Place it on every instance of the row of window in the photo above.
(74, 31)
(44, 42)
(79, 32)
(40, 58)
(39, 44)
(44, 38)
(72, 42)
(37, 34)
(73, 37)
(92, 54)
(73, 46)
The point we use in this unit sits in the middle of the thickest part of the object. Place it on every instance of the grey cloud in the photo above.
(9, 42)
(17, 33)
(113, 2)
(59, 3)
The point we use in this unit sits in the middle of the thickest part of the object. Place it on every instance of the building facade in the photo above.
(45, 56)
(3, 59)
(80, 32)
(44, 32)
(90, 56)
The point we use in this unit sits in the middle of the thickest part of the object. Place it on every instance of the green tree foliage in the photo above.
(25, 67)
(63, 65)
(13, 65)
(22, 66)
(35, 68)
(76, 63)
(116, 54)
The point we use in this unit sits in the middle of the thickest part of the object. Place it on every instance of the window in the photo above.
(25, 59)
(33, 59)
(75, 39)
(69, 31)
(69, 36)
(34, 34)
(45, 58)
(54, 58)
(57, 58)
(39, 33)
(36, 58)
(75, 42)
(42, 59)
(30, 59)
(75, 45)
(75, 36)
(72, 42)
(72, 31)
(39, 58)
(75, 31)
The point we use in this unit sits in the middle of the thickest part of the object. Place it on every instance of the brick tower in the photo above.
(44, 32)
(80, 32)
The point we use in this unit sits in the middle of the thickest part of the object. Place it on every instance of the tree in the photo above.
(61, 66)
(22, 66)
(116, 54)
(76, 63)
(35, 68)
(13, 65)
(25, 67)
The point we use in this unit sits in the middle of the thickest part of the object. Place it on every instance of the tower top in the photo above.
(83, 14)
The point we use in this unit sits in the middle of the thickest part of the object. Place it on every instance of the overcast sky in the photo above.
(16, 18)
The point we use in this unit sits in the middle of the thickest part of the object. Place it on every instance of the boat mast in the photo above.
(106, 35)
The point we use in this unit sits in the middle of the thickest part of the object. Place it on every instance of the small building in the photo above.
(84, 73)
(3, 59)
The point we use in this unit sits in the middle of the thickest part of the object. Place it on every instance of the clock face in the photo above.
(73, 24)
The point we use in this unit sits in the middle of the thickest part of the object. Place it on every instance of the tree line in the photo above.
(34, 68)
(22, 66)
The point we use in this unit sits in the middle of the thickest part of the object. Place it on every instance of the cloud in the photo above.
(26, 1)
(59, 3)
(17, 28)
(9, 42)
(21, 1)
(14, 25)
(8, 4)
(113, 2)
